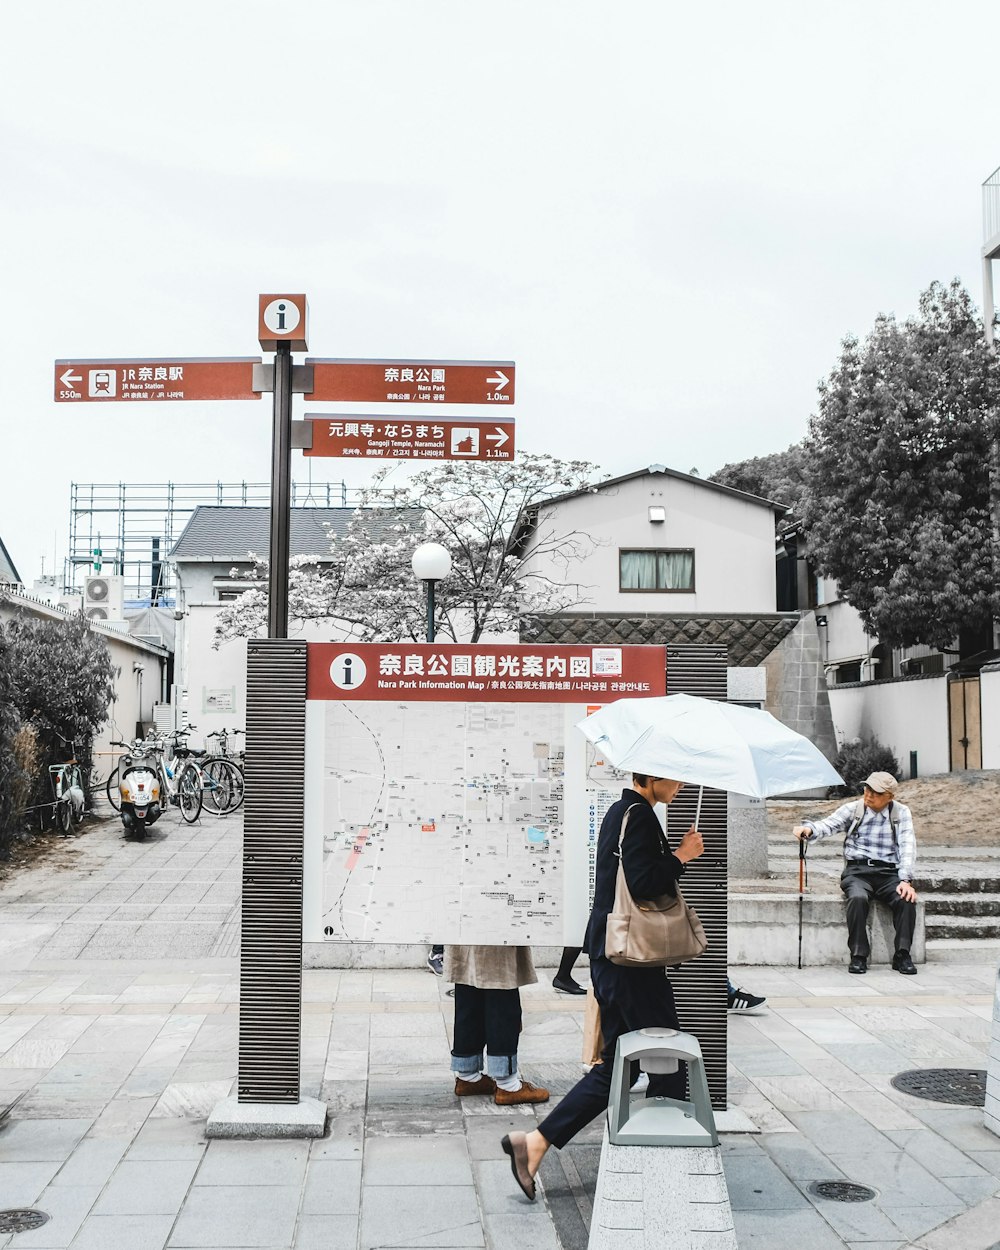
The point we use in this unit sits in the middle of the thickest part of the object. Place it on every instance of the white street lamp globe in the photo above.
(431, 562)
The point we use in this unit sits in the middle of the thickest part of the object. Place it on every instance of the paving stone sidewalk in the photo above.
(116, 1055)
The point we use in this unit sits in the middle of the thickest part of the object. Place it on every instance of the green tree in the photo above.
(59, 680)
(778, 476)
(897, 499)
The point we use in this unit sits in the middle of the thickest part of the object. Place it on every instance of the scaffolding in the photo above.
(134, 525)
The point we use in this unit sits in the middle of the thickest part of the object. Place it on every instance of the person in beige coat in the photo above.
(488, 1021)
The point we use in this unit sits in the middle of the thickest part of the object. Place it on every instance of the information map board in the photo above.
(450, 796)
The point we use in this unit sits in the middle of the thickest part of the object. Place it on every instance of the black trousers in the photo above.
(630, 998)
(487, 1020)
(861, 884)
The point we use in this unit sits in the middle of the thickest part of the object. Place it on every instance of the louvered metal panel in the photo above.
(700, 987)
(273, 831)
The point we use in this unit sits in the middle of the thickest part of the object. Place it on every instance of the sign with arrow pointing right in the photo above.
(412, 381)
(381, 438)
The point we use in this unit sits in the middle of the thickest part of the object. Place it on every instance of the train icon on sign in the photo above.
(465, 441)
(102, 383)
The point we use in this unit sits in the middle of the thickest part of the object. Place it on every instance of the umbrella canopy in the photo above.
(708, 744)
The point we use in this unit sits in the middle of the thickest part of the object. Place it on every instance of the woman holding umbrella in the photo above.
(630, 997)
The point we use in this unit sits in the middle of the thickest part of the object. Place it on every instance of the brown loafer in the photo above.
(515, 1145)
(485, 1085)
(527, 1093)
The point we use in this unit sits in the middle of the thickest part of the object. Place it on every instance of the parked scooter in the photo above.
(139, 789)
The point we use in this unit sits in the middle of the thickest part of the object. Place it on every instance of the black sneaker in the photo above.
(436, 964)
(902, 962)
(741, 1001)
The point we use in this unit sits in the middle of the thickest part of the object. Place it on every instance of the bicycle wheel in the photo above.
(239, 785)
(189, 792)
(225, 785)
(218, 789)
(111, 789)
(64, 814)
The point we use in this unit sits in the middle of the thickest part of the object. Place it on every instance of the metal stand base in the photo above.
(258, 1120)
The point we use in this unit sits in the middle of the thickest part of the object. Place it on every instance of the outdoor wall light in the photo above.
(431, 563)
(657, 514)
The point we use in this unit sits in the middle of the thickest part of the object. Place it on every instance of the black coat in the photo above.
(651, 868)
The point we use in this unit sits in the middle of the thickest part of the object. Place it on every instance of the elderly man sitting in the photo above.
(880, 851)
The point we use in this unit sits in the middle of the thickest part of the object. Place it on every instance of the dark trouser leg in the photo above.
(502, 1009)
(470, 1030)
(569, 957)
(904, 915)
(858, 888)
(630, 998)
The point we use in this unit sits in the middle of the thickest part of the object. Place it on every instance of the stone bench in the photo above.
(764, 929)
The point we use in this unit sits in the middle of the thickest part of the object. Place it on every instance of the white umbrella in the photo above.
(708, 744)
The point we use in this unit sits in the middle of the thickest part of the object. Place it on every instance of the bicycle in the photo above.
(225, 771)
(68, 795)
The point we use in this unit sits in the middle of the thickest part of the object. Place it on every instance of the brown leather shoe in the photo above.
(514, 1145)
(485, 1085)
(527, 1093)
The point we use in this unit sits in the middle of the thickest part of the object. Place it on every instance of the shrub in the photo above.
(857, 760)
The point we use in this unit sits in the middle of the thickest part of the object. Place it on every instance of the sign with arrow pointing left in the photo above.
(98, 381)
(381, 438)
(412, 381)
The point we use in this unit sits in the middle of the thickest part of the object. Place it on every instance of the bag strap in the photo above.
(621, 836)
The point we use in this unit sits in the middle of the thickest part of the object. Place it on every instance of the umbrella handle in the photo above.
(697, 814)
(802, 864)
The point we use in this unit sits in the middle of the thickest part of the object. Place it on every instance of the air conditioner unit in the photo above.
(104, 598)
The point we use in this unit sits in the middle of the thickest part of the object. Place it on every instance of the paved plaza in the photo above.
(118, 1034)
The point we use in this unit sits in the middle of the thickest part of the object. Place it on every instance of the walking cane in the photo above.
(803, 881)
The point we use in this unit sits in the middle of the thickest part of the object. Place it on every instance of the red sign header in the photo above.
(457, 672)
(204, 378)
(412, 381)
(377, 438)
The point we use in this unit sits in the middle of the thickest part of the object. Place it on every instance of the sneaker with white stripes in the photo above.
(740, 1000)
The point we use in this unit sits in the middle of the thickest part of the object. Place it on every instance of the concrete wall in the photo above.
(733, 542)
(796, 686)
(908, 714)
(989, 694)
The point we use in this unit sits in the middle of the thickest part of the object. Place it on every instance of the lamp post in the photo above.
(431, 563)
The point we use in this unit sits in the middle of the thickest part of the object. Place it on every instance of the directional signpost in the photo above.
(413, 381)
(201, 378)
(378, 439)
(269, 1101)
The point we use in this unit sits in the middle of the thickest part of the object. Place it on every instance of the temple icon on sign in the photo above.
(465, 441)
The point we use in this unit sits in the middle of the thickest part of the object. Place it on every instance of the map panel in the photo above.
(443, 822)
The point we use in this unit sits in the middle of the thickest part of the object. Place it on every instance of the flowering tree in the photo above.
(471, 508)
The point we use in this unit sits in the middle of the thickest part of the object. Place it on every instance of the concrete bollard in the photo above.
(661, 1182)
(991, 1112)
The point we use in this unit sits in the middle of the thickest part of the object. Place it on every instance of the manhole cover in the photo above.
(842, 1191)
(21, 1220)
(966, 1086)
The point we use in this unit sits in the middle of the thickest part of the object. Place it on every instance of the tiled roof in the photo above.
(228, 533)
(7, 571)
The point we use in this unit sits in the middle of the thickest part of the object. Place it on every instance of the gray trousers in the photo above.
(862, 883)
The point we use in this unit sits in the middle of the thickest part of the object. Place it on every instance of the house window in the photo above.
(663, 569)
(848, 672)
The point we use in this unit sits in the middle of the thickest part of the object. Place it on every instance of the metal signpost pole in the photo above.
(281, 478)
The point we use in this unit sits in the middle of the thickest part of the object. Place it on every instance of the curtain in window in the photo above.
(657, 570)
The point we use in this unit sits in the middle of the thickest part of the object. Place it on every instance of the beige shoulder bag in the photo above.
(651, 933)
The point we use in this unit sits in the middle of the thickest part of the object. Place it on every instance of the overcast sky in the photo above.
(668, 215)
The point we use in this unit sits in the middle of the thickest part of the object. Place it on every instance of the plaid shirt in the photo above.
(873, 837)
